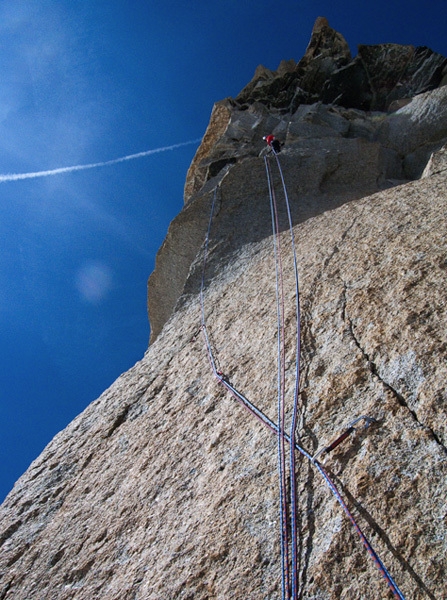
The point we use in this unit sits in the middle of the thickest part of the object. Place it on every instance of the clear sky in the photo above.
(89, 81)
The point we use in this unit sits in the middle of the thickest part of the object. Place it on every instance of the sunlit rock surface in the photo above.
(331, 155)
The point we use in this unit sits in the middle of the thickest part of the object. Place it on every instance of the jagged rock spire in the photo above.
(375, 79)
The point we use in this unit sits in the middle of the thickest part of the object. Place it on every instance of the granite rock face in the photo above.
(391, 99)
(166, 487)
(333, 155)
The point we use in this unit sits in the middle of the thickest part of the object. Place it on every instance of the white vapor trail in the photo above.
(17, 176)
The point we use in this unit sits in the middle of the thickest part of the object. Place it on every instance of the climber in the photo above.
(273, 143)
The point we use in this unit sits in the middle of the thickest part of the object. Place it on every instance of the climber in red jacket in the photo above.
(273, 143)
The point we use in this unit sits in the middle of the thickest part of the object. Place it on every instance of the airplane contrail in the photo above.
(17, 176)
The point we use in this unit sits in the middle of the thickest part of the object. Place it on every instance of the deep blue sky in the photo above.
(85, 81)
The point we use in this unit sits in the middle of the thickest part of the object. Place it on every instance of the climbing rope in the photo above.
(385, 573)
(279, 287)
(278, 429)
(295, 407)
(294, 568)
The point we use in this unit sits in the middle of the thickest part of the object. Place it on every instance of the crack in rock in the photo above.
(375, 373)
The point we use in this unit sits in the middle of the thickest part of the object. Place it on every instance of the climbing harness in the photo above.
(289, 579)
(350, 429)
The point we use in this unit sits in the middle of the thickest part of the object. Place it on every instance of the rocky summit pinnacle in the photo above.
(376, 79)
(167, 485)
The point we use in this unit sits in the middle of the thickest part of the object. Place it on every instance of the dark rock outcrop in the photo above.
(381, 76)
(294, 84)
(376, 80)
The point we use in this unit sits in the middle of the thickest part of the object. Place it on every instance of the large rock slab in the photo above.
(325, 168)
(166, 488)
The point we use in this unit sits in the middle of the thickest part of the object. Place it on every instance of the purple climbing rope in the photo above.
(293, 425)
(264, 419)
(283, 511)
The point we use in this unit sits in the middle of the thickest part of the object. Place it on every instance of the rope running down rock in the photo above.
(277, 429)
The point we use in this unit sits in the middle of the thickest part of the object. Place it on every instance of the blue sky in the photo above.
(84, 82)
